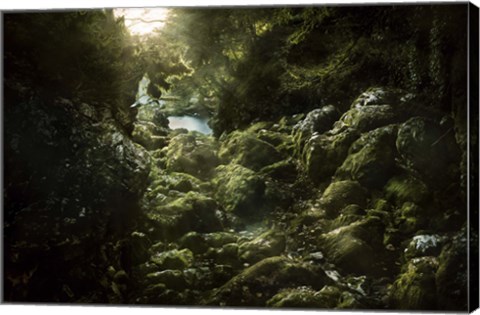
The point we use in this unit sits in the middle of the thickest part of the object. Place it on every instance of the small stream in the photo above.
(190, 123)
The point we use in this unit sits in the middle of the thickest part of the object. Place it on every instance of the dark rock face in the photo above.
(429, 149)
(70, 167)
(317, 121)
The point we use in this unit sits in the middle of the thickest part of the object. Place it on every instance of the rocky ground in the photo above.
(360, 210)
(356, 210)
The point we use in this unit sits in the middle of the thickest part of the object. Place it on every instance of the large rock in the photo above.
(149, 135)
(371, 159)
(190, 212)
(381, 95)
(260, 282)
(317, 121)
(248, 150)
(355, 248)
(452, 276)
(305, 297)
(239, 190)
(322, 154)
(406, 188)
(415, 289)
(268, 244)
(73, 179)
(341, 194)
(192, 153)
(366, 118)
(429, 149)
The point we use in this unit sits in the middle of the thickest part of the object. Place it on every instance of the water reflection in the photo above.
(190, 123)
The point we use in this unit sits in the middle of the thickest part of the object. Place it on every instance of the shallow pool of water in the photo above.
(190, 123)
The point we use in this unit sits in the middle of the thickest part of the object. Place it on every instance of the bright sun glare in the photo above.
(141, 21)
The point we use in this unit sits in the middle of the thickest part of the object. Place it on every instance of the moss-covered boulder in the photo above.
(171, 279)
(194, 241)
(429, 149)
(341, 194)
(190, 212)
(406, 188)
(225, 255)
(371, 159)
(452, 276)
(322, 154)
(239, 189)
(260, 282)
(381, 95)
(317, 121)
(192, 153)
(150, 136)
(218, 239)
(411, 217)
(415, 289)
(246, 149)
(355, 248)
(370, 117)
(268, 244)
(305, 297)
(173, 259)
(285, 170)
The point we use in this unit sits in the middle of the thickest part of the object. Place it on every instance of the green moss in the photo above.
(192, 153)
(303, 297)
(260, 282)
(356, 247)
(171, 279)
(190, 212)
(285, 170)
(268, 244)
(341, 194)
(248, 150)
(403, 188)
(239, 189)
(322, 154)
(415, 289)
(173, 259)
(371, 158)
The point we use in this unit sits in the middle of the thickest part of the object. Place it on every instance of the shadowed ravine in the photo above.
(286, 158)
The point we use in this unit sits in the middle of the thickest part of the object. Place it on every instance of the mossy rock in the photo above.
(218, 239)
(190, 212)
(171, 279)
(239, 189)
(260, 282)
(317, 121)
(322, 154)
(405, 188)
(304, 297)
(371, 159)
(411, 218)
(225, 255)
(246, 149)
(355, 248)
(415, 289)
(173, 259)
(268, 244)
(192, 153)
(341, 194)
(452, 276)
(381, 95)
(149, 135)
(195, 242)
(285, 170)
(370, 117)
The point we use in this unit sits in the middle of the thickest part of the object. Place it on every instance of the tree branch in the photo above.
(144, 21)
